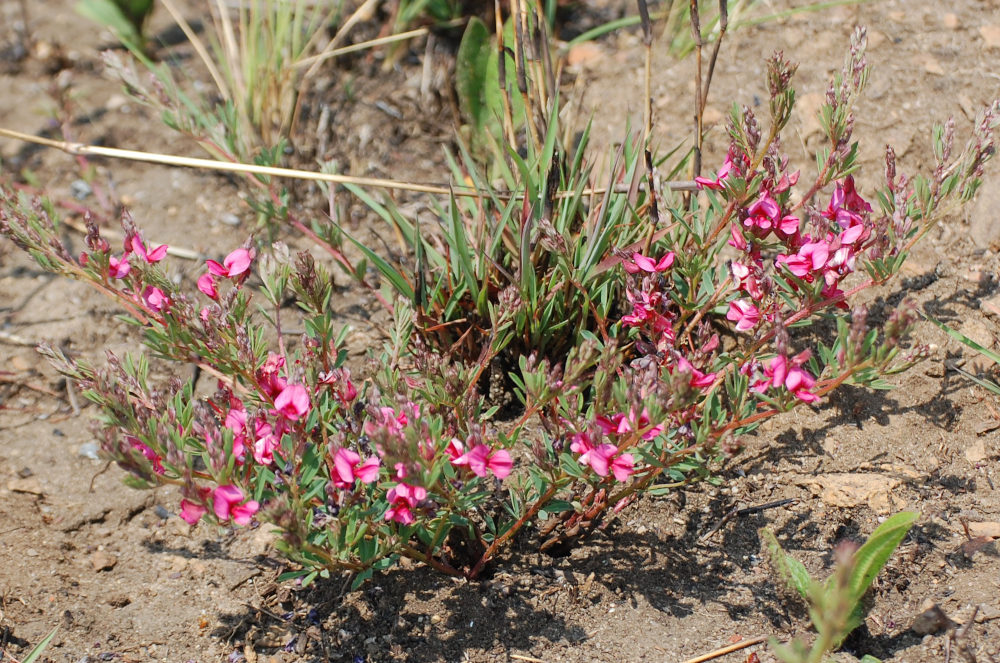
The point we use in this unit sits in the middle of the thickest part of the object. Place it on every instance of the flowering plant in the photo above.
(705, 330)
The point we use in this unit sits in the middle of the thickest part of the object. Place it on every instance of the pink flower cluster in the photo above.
(118, 268)
(235, 266)
(227, 503)
(480, 459)
(258, 435)
(403, 499)
(825, 257)
(789, 374)
(602, 458)
(650, 307)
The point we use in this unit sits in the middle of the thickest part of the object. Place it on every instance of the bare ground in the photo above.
(125, 579)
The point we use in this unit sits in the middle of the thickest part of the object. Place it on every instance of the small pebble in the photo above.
(102, 561)
(89, 450)
(80, 190)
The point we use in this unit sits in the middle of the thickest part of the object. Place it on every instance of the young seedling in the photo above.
(835, 606)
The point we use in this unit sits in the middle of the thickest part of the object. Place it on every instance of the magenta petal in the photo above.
(477, 459)
(606, 425)
(852, 234)
(216, 268)
(707, 183)
(788, 224)
(806, 396)
(224, 499)
(778, 368)
(343, 464)
(600, 458)
(367, 472)
(292, 402)
(157, 254)
(644, 263)
(207, 285)
(238, 262)
(191, 512)
(243, 513)
(623, 467)
(500, 463)
(665, 262)
(119, 267)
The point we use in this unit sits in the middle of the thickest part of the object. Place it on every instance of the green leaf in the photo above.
(361, 577)
(39, 649)
(962, 338)
(872, 556)
(471, 64)
(393, 275)
(111, 16)
(791, 569)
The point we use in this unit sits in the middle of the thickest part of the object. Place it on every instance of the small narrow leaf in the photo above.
(791, 569)
(872, 556)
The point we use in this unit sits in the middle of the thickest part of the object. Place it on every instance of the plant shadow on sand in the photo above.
(532, 600)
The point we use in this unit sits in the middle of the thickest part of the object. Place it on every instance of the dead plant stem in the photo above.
(291, 173)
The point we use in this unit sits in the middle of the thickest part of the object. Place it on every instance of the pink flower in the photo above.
(853, 234)
(235, 264)
(602, 458)
(270, 382)
(265, 442)
(787, 226)
(786, 182)
(796, 264)
(293, 402)
(236, 419)
(402, 500)
(191, 511)
(623, 466)
(118, 268)
(599, 458)
(155, 298)
(347, 468)
(699, 380)
(155, 460)
(739, 271)
(744, 314)
(207, 285)
(721, 176)
(816, 252)
(788, 373)
(339, 380)
(762, 215)
(764, 206)
(846, 206)
(134, 244)
(619, 423)
(480, 459)
(641, 263)
(390, 420)
(455, 450)
(226, 504)
(736, 238)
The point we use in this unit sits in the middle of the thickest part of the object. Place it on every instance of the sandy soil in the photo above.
(125, 579)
